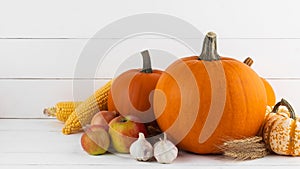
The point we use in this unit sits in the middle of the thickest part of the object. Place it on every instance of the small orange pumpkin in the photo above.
(130, 92)
(202, 101)
(271, 98)
(281, 130)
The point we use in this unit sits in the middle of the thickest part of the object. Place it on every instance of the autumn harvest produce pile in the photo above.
(206, 104)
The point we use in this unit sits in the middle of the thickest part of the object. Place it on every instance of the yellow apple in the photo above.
(124, 131)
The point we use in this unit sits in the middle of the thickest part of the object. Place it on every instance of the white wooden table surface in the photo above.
(41, 41)
(39, 143)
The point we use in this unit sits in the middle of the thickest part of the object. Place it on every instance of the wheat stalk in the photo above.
(244, 149)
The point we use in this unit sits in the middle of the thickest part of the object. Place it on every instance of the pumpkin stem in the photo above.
(248, 61)
(146, 62)
(285, 103)
(209, 48)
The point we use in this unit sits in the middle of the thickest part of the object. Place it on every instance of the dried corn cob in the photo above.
(85, 111)
(61, 110)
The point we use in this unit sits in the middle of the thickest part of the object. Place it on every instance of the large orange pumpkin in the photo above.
(131, 91)
(271, 98)
(202, 101)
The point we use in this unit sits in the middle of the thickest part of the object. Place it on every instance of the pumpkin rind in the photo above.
(244, 106)
(271, 98)
(131, 91)
(281, 132)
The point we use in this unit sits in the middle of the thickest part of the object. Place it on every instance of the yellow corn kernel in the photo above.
(61, 110)
(84, 113)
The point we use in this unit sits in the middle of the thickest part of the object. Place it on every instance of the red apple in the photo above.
(124, 131)
(95, 140)
(102, 118)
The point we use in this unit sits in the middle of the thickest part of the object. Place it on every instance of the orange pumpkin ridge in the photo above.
(291, 146)
(239, 111)
(271, 98)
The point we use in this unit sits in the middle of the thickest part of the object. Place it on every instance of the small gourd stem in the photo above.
(285, 103)
(209, 48)
(146, 62)
(248, 61)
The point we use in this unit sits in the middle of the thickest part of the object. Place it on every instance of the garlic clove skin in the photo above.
(165, 151)
(141, 149)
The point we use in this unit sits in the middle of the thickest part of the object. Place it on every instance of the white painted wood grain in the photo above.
(58, 58)
(41, 41)
(41, 144)
(184, 159)
(38, 58)
(27, 98)
(138, 166)
(81, 19)
(41, 125)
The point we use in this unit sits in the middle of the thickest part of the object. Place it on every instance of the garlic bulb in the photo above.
(165, 151)
(141, 149)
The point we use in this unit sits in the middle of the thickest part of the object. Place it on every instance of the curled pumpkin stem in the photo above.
(285, 103)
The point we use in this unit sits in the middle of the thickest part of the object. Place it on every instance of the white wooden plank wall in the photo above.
(41, 41)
